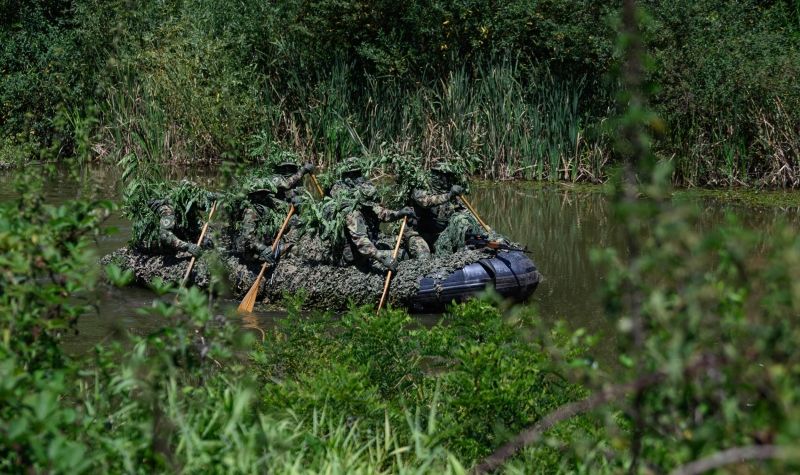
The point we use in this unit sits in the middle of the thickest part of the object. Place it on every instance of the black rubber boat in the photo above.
(510, 273)
(421, 286)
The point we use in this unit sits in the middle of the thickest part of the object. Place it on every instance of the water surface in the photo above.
(559, 224)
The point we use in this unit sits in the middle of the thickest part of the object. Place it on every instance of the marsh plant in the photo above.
(526, 90)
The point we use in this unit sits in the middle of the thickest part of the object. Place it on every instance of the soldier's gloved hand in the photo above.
(296, 200)
(309, 167)
(387, 261)
(457, 190)
(194, 250)
(408, 211)
(267, 256)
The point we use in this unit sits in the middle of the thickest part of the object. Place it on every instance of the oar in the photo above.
(475, 213)
(199, 242)
(316, 183)
(394, 256)
(249, 300)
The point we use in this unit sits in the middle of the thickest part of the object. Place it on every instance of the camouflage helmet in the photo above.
(444, 175)
(444, 168)
(260, 195)
(286, 168)
(350, 168)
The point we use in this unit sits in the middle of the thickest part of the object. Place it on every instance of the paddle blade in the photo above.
(249, 300)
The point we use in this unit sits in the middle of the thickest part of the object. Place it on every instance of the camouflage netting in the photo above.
(326, 286)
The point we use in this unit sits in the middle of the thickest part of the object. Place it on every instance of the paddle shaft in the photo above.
(394, 256)
(316, 184)
(250, 298)
(199, 242)
(475, 214)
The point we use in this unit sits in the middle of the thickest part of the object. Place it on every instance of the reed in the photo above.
(499, 118)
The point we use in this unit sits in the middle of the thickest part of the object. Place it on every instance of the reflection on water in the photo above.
(559, 224)
(560, 227)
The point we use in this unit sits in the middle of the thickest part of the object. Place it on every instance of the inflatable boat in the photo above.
(420, 285)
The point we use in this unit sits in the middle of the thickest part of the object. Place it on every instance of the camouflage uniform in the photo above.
(443, 221)
(260, 221)
(174, 234)
(252, 243)
(362, 223)
(288, 178)
(167, 227)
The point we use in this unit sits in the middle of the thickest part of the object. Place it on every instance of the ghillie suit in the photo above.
(282, 174)
(167, 219)
(255, 220)
(259, 207)
(351, 174)
(354, 213)
(443, 221)
(362, 229)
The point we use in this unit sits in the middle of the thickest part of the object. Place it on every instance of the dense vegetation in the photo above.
(517, 88)
(707, 374)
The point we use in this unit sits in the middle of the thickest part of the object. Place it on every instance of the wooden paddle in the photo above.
(249, 300)
(199, 242)
(394, 256)
(475, 214)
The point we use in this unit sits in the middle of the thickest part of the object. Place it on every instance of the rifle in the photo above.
(495, 245)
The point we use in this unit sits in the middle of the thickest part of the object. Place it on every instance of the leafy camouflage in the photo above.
(154, 205)
(414, 173)
(460, 227)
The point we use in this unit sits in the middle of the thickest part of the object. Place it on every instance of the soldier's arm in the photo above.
(386, 214)
(426, 200)
(249, 235)
(357, 230)
(166, 224)
(292, 181)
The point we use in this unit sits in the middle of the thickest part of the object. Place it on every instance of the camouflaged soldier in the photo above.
(287, 179)
(261, 213)
(362, 222)
(173, 223)
(256, 227)
(352, 176)
(443, 221)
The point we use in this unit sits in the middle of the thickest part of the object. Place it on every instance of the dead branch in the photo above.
(738, 455)
(567, 411)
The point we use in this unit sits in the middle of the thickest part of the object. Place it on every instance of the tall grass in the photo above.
(507, 123)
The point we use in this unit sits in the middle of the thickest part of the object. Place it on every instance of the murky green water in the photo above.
(559, 224)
